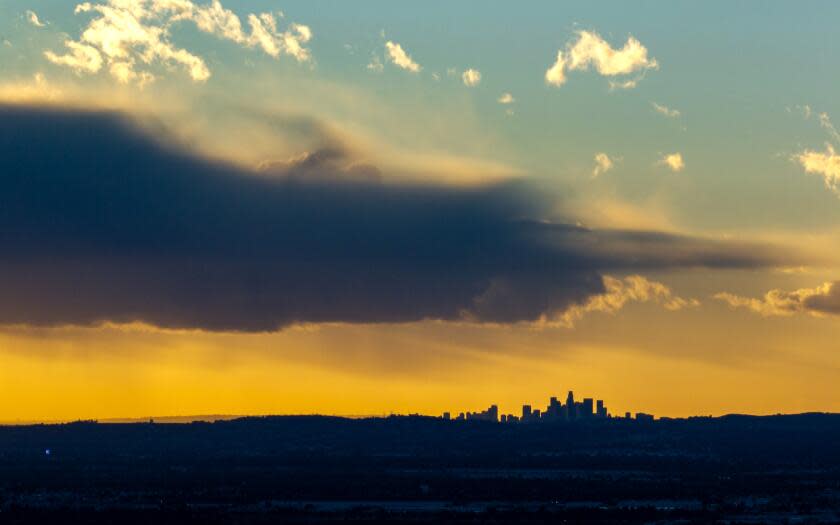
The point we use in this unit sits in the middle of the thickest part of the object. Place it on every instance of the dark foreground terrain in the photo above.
(734, 469)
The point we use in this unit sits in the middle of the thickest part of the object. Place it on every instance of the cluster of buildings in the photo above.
(555, 411)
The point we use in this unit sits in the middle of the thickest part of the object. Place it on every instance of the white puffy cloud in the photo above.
(619, 292)
(471, 77)
(506, 98)
(665, 110)
(590, 50)
(603, 164)
(674, 162)
(556, 74)
(826, 164)
(824, 299)
(124, 73)
(397, 55)
(82, 58)
(33, 19)
(294, 38)
(224, 23)
(131, 35)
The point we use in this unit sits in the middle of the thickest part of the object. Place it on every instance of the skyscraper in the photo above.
(601, 410)
(586, 408)
(553, 411)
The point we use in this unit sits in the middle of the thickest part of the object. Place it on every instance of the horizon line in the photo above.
(211, 418)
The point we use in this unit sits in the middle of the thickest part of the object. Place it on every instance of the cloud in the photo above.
(101, 222)
(805, 110)
(397, 55)
(32, 18)
(506, 98)
(618, 292)
(81, 58)
(825, 121)
(626, 84)
(826, 124)
(36, 90)
(556, 74)
(819, 301)
(674, 162)
(665, 110)
(826, 164)
(375, 64)
(590, 50)
(326, 165)
(603, 164)
(607, 211)
(471, 77)
(131, 36)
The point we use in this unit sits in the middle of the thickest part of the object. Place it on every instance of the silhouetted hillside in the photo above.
(399, 467)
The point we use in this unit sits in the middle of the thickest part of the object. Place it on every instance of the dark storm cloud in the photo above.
(101, 222)
(827, 301)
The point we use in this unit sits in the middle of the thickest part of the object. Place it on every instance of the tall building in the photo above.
(553, 411)
(600, 410)
(571, 410)
(526, 412)
(586, 407)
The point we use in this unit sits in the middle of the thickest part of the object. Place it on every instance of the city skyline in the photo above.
(586, 409)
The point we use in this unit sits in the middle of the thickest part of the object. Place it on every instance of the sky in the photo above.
(254, 207)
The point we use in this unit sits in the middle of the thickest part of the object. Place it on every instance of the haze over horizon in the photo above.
(251, 207)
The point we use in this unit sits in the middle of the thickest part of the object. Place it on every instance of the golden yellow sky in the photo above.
(667, 363)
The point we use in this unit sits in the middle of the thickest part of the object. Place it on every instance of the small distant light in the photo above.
(47, 452)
